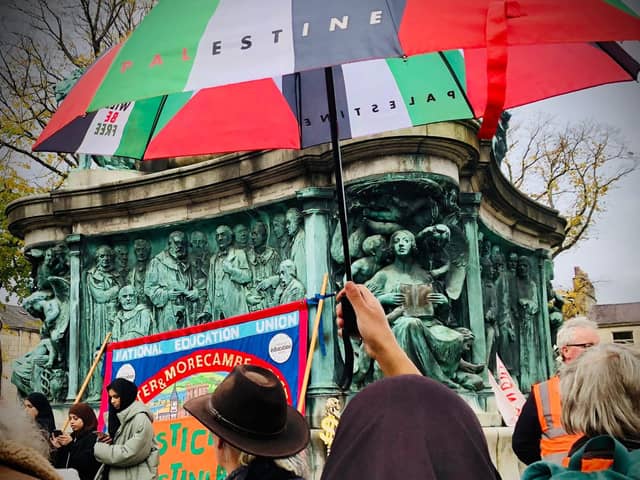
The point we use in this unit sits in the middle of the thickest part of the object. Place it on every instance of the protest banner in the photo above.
(509, 386)
(509, 398)
(173, 367)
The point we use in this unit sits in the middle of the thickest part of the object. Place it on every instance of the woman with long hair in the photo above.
(75, 450)
(38, 407)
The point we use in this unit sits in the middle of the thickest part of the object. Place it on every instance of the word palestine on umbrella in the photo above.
(246, 42)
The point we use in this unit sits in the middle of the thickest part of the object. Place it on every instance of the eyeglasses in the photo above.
(580, 345)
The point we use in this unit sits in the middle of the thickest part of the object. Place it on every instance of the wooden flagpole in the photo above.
(312, 346)
(89, 375)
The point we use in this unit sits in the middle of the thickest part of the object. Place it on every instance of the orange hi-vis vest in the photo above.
(556, 442)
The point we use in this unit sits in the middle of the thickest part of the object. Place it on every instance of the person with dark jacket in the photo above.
(75, 450)
(257, 434)
(38, 407)
(538, 433)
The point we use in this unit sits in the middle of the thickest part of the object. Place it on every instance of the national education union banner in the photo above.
(173, 367)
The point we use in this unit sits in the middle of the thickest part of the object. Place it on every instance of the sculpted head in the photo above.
(287, 272)
(486, 268)
(374, 246)
(177, 245)
(294, 220)
(127, 297)
(121, 253)
(224, 236)
(259, 234)
(141, 249)
(403, 243)
(105, 258)
(49, 258)
(497, 261)
(241, 235)
(523, 267)
(278, 225)
(199, 244)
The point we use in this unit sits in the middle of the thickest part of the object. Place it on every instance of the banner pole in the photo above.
(88, 377)
(312, 346)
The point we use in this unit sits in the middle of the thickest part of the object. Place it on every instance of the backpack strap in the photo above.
(617, 458)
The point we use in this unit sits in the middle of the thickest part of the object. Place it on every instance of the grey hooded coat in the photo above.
(133, 455)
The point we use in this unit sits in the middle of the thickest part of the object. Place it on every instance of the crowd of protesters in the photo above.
(584, 419)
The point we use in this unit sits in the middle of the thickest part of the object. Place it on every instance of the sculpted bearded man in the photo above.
(264, 262)
(133, 319)
(170, 287)
(229, 275)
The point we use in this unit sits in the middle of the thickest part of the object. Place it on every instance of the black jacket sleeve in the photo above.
(79, 455)
(527, 433)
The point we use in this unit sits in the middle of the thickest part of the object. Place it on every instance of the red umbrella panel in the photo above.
(194, 44)
(291, 111)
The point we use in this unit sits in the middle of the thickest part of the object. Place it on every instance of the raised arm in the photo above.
(379, 341)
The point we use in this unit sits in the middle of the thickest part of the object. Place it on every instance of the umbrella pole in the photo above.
(337, 166)
(163, 100)
(347, 373)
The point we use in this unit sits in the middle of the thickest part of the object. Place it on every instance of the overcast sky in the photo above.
(611, 256)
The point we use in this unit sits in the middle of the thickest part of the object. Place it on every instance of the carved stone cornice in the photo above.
(518, 213)
(233, 182)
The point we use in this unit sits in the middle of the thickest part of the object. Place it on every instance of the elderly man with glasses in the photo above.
(538, 434)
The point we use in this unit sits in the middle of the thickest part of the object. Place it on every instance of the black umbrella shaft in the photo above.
(155, 123)
(337, 162)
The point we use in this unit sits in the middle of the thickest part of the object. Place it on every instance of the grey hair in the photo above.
(601, 392)
(17, 426)
(289, 266)
(224, 228)
(567, 331)
(298, 463)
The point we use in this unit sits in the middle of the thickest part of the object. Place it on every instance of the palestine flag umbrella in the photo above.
(192, 45)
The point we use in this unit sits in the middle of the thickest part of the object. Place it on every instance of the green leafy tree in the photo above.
(569, 168)
(15, 270)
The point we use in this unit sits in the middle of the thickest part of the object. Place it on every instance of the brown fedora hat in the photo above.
(249, 410)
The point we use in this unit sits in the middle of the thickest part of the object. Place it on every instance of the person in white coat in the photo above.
(129, 451)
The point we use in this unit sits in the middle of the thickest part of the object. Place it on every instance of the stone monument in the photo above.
(457, 256)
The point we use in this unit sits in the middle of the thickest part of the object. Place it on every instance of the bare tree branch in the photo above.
(48, 40)
(571, 169)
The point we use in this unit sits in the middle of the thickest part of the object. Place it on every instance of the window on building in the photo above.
(623, 337)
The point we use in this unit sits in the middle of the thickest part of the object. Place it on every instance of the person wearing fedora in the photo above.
(257, 434)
